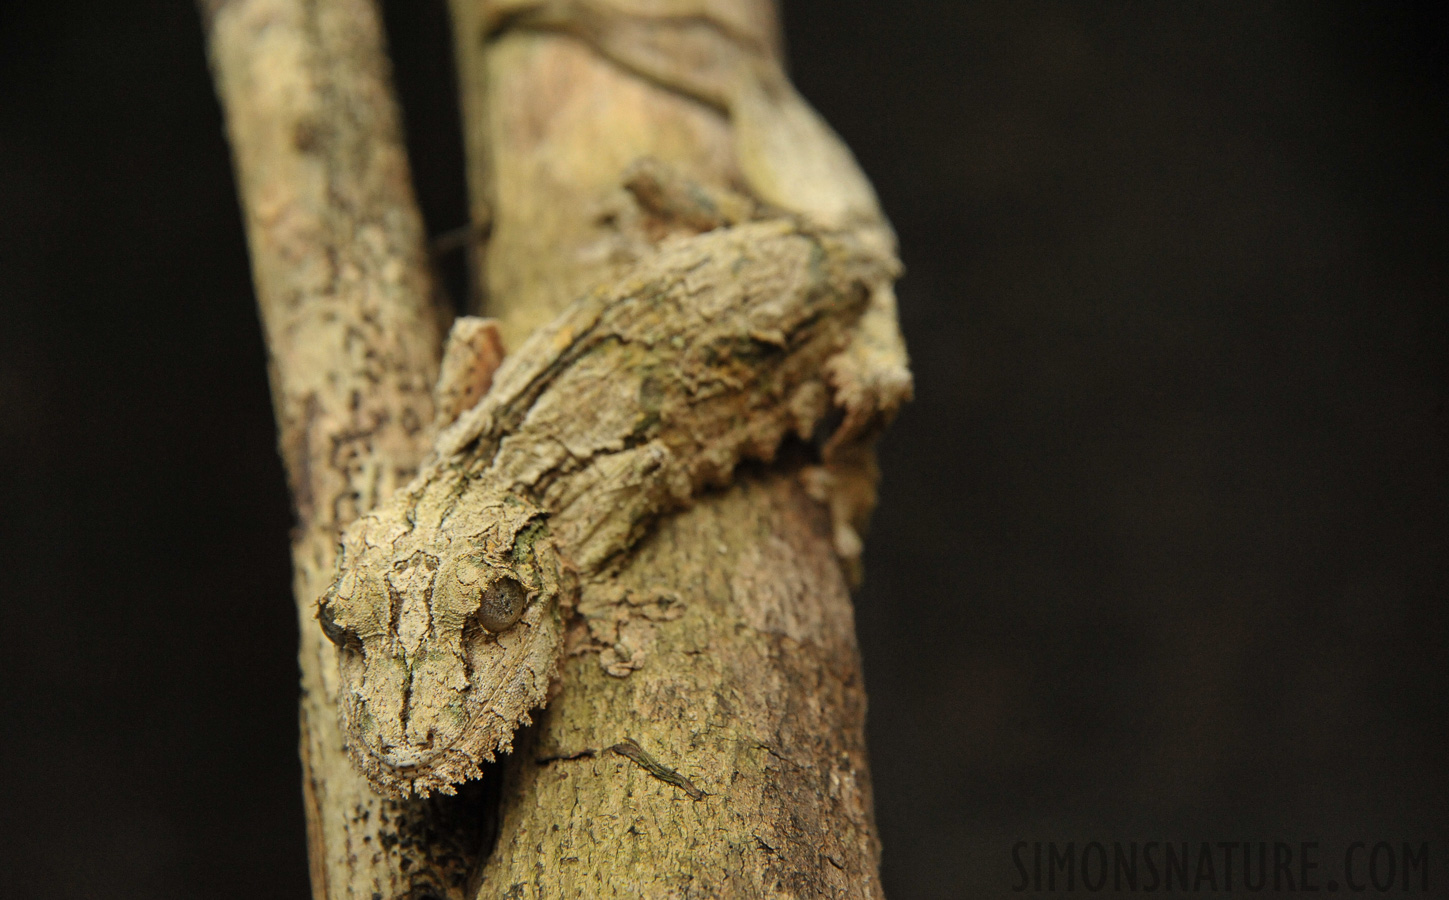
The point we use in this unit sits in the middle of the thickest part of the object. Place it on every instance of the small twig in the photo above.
(586, 753)
(630, 749)
(455, 239)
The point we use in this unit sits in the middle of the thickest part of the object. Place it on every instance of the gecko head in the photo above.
(446, 637)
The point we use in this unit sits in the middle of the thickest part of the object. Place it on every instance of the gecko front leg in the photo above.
(471, 354)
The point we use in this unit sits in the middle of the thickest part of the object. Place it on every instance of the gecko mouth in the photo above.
(403, 770)
(408, 756)
(403, 757)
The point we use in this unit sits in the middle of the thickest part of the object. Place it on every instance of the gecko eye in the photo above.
(337, 634)
(501, 605)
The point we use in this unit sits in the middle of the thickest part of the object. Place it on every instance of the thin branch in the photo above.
(347, 304)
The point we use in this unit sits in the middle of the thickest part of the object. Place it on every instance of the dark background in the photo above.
(1162, 546)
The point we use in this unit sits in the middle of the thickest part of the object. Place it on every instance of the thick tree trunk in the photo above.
(735, 612)
(705, 736)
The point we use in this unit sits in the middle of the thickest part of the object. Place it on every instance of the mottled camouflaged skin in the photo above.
(449, 605)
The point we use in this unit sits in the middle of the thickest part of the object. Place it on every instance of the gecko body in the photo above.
(450, 599)
(735, 334)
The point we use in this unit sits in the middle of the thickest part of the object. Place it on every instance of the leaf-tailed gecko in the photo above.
(450, 602)
(449, 605)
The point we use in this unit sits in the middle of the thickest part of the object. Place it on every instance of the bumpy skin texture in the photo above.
(450, 598)
(447, 626)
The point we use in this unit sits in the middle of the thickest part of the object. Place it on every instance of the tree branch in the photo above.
(729, 660)
(717, 665)
(347, 304)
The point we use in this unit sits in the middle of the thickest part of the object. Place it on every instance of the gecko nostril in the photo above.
(501, 604)
(345, 638)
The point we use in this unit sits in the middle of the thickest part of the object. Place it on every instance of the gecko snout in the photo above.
(341, 636)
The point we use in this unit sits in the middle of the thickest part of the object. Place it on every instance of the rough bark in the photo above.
(705, 736)
(346, 303)
(715, 746)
